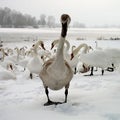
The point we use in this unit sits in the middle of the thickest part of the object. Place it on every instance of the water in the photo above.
(25, 34)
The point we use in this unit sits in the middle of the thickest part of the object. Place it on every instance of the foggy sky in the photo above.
(90, 12)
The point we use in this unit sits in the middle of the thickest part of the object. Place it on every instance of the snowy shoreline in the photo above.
(90, 97)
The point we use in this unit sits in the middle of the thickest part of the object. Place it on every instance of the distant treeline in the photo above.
(14, 19)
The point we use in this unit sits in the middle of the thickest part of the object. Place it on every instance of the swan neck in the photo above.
(64, 30)
(67, 46)
(60, 48)
(3, 52)
(79, 47)
(36, 47)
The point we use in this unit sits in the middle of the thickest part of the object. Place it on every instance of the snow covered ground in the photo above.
(90, 97)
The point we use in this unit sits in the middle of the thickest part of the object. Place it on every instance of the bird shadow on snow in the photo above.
(71, 108)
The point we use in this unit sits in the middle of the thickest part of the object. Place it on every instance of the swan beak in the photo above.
(11, 67)
(6, 54)
(42, 45)
(52, 46)
(72, 56)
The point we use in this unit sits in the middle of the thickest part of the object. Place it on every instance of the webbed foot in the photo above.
(52, 103)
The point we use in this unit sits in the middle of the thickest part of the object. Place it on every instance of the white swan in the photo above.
(96, 58)
(7, 74)
(5, 62)
(56, 72)
(2, 54)
(35, 63)
(75, 53)
(67, 55)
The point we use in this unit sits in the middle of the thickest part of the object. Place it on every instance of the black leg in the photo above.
(49, 102)
(47, 93)
(102, 72)
(31, 76)
(75, 70)
(91, 71)
(66, 94)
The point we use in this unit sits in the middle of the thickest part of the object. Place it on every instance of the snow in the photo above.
(90, 97)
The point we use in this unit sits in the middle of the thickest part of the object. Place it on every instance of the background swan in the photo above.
(7, 74)
(56, 72)
(35, 63)
(83, 48)
(96, 58)
(67, 55)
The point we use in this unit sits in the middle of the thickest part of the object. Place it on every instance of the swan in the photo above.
(6, 74)
(67, 56)
(85, 48)
(96, 58)
(2, 54)
(56, 72)
(35, 63)
(15, 57)
(5, 62)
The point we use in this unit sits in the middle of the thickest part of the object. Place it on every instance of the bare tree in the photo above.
(51, 21)
(42, 20)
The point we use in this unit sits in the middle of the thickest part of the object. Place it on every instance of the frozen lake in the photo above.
(24, 34)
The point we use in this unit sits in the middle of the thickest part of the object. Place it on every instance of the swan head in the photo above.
(74, 52)
(65, 21)
(89, 48)
(85, 68)
(54, 43)
(39, 43)
(65, 18)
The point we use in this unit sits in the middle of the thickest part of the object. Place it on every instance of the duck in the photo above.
(56, 72)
